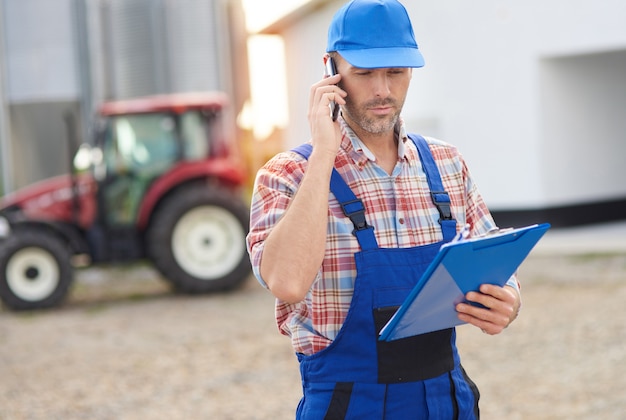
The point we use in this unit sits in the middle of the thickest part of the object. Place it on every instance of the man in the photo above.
(339, 275)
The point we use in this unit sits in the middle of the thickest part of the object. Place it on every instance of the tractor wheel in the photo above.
(35, 270)
(197, 240)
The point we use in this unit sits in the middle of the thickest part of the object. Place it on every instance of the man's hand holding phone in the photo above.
(326, 134)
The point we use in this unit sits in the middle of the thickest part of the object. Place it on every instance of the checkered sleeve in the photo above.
(275, 185)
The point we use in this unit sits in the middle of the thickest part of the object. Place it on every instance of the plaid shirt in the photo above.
(398, 206)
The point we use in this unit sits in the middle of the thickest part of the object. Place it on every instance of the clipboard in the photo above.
(459, 267)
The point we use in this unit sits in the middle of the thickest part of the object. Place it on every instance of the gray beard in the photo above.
(372, 125)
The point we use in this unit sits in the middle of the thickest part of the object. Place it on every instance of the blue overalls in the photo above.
(359, 377)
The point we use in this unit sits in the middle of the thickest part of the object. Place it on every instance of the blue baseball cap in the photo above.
(374, 34)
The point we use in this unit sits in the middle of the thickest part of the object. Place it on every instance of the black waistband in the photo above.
(414, 358)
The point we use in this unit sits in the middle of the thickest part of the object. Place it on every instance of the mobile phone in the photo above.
(331, 70)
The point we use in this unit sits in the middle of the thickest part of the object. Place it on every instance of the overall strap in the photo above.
(438, 194)
(352, 206)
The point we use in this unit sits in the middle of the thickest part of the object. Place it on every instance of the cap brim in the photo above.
(375, 58)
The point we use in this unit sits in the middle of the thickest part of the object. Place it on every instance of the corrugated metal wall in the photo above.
(156, 46)
(194, 58)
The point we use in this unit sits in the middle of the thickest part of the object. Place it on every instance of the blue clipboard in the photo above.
(460, 267)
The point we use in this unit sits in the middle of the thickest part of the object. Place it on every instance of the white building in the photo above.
(533, 93)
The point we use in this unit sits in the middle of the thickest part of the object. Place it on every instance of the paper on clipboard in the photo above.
(458, 268)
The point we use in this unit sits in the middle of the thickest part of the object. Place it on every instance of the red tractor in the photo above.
(160, 182)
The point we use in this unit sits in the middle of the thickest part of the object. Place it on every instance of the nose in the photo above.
(381, 83)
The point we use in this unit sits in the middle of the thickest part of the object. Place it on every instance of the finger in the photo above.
(489, 323)
(493, 296)
(323, 108)
(487, 301)
(493, 309)
(323, 94)
(497, 314)
(484, 326)
(500, 293)
(316, 92)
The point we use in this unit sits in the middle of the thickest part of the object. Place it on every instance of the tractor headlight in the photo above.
(5, 227)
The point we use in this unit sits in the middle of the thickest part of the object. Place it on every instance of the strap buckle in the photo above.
(441, 199)
(355, 210)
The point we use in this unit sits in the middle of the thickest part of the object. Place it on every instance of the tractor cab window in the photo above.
(137, 149)
(143, 144)
(195, 134)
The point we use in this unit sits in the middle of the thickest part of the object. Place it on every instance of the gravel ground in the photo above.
(124, 347)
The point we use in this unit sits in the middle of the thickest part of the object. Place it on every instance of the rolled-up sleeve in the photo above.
(274, 187)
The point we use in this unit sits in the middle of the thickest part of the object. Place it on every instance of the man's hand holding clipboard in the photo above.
(464, 283)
